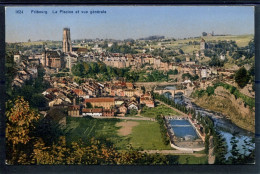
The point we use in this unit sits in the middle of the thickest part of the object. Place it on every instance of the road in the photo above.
(127, 118)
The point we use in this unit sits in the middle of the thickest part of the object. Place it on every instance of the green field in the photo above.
(158, 110)
(187, 159)
(87, 128)
(241, 40)
(146, 135)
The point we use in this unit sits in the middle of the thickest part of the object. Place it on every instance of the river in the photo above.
(222, 125)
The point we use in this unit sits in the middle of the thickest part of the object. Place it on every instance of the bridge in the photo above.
(172, 91)
(152, 85)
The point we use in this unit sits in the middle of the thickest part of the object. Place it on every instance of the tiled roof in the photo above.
(90, 100)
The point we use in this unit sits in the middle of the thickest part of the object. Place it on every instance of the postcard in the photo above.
(130, 85)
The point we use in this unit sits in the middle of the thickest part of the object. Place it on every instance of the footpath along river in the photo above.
(223, 125)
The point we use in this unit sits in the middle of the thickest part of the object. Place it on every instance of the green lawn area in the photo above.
(188, 159)
(158, 110)
(86, 128)
(146, 135)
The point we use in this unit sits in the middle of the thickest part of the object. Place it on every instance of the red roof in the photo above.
(97, 100)
(78, 91)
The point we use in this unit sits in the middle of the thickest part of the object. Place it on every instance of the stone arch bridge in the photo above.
(172, 91)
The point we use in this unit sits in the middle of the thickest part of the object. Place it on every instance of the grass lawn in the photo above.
(146, 135)
(188, 159)
(158, 110)
(87, 128)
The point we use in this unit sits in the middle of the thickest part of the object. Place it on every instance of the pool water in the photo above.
(183, 129)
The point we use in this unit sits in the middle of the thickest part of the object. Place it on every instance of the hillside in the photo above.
(235, 109)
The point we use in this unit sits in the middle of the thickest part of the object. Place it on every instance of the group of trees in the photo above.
(27, 143)
(247, 51)
(242, 77)
(248, 156)
(216, 48)
(219, 143)
(163, 129)
(125, 49)
(216, 62)
(189, 76)
(101, 72)
(98, 70)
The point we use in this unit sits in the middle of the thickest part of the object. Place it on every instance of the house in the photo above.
(74, 111)
(204, 73)
(106, 103)
(56, 101)
(122, 110)
(129, 92)
(147, 100)
(17, 58)
(129, 85)
(108, 112)
(132, 105)
(92, 111)
(80, 93)
(119, 101)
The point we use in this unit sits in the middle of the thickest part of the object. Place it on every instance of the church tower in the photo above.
(66, 44)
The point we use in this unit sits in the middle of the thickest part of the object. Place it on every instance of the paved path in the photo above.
(211, 156)
(174, 152)
(127, 118)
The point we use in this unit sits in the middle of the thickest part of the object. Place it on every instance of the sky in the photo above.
(123, 22)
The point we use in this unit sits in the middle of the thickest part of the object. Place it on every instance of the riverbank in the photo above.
(227, 110)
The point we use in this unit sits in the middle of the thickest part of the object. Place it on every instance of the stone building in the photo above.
(202, 44)
(106, 103)
(66, 43)
(53, 59)
(17, 58)
(74, 111)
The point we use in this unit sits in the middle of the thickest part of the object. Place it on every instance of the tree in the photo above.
(204, 34)
(89, 105)
(19, 123)
(181, 51)
(210, 90)
(207, 144)
(78, 70)
(143, 89)
(234, 150)
(216, 62)
(133, 112)
(38, 100)
(241, 77)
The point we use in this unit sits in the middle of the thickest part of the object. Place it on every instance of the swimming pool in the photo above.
(183, 129)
